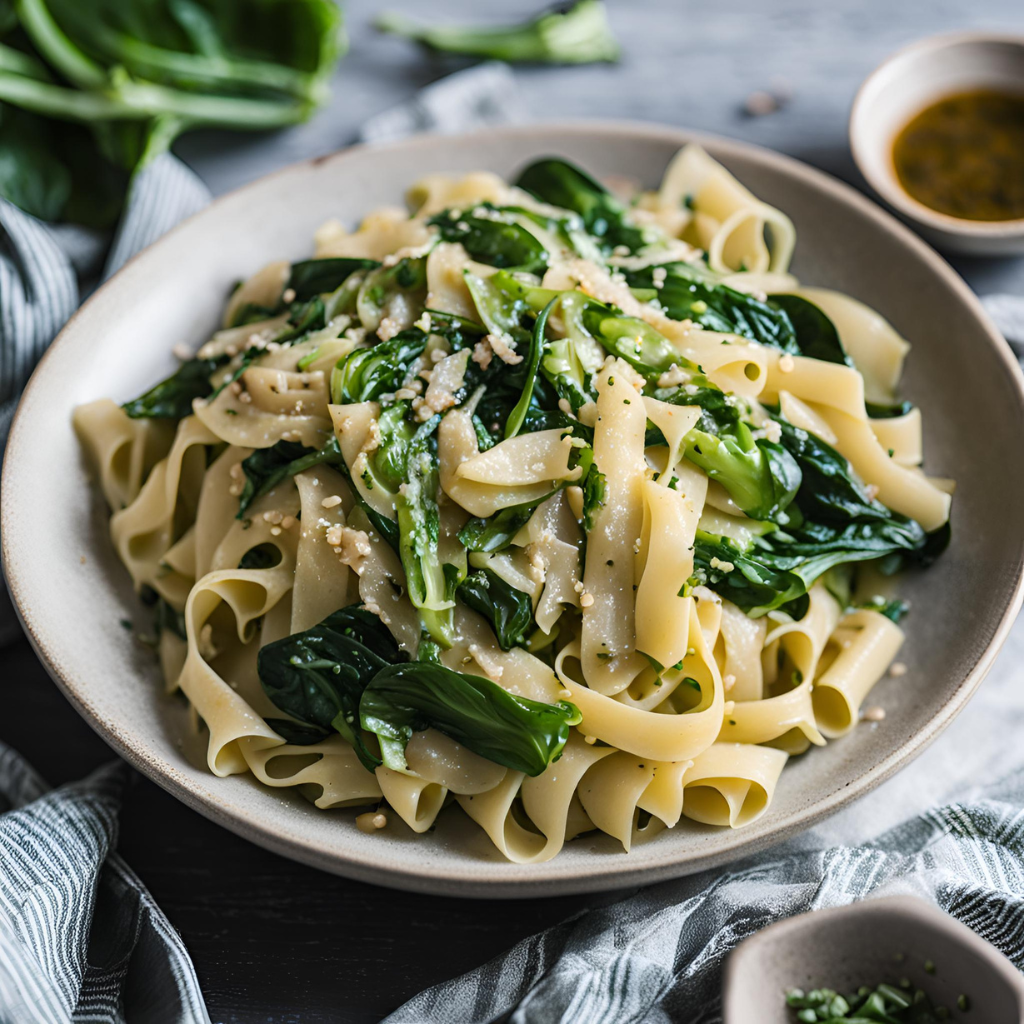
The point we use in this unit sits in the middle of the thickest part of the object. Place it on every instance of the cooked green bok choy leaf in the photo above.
(522, 734)
(136, 74)
(365, 374)
(833, 520)
(576, 32)
(309, 278)
(267, 467)
(517, 416)
(816, 335)
(404, 467)
(762, 477)
(495, 533)
(690, 291)
(418, 531)
(508, 611)
(318, 676)
(777, 569)
(495, 239)
(562, 184)
(172, 398)
(405, 283)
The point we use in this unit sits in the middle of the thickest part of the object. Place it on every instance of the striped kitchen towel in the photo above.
(40, 266)
(80, 937)
(657, 957)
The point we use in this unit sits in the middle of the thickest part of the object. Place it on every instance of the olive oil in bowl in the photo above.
(963, 156)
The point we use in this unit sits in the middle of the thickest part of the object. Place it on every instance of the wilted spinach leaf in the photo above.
(521, 734)
(508, 611)
(172, 398)
(318, 676)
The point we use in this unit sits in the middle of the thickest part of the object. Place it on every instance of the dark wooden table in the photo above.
(274, 941)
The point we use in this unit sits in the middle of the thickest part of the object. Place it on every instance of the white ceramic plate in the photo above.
(71, 591)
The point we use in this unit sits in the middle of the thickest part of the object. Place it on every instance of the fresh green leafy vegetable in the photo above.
(272, 465)
(563, 366)
(502, 303)
(832, 491)
(418, 531)
(407, 278)
(595, 486)
(629, 338)
(576, 32)
(404, 467)
(459, 332)
(778, 568)
(172, 398)
(562, 184)
(318, 676)
(495, 239)
(761, 477)
(135, 74)
(894, 609)
(521, 734)
(832, 521)
(690, 291)
(509, 611)
(304, 318)
(57, 172)
(250, 313)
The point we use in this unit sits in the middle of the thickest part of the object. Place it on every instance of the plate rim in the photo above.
(526, 880)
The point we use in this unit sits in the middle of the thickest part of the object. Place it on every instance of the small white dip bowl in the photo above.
(907, 83)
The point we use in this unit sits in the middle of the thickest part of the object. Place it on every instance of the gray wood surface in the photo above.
(685, 64)
(275, 941)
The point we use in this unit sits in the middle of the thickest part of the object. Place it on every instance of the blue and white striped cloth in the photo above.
(657, 957)
(40, 266)
(80, 937)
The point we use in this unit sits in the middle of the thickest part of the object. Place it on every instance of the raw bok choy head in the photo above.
(134, 75)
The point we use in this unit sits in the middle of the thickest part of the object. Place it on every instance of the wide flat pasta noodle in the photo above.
(608, 649)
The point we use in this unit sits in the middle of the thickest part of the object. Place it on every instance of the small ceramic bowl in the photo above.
(903, 86)
(866, 943)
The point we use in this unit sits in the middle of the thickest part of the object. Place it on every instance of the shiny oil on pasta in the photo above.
(964, 156)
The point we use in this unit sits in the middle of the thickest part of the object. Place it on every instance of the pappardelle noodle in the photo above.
(565, 504)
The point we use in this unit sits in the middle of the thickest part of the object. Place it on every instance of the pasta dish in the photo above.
(563, 501)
